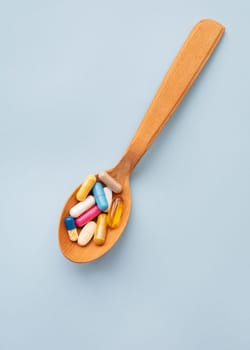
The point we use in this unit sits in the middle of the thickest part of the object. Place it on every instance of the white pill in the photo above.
(81, 207)
(86, 233)
(108, 194)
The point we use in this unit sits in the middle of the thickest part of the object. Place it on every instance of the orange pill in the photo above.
(115, 212)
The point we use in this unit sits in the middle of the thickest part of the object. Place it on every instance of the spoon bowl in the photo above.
(187, 65)
(90, 252)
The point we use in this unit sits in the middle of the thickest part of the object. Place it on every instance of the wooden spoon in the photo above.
(190, 60)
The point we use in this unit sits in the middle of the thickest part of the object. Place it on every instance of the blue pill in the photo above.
(69, 223)
(100, 197)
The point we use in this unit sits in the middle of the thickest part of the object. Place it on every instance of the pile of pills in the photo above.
(95, 202)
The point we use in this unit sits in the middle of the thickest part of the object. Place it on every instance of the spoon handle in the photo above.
(187, 65)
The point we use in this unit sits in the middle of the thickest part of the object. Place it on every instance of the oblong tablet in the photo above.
(86, 233)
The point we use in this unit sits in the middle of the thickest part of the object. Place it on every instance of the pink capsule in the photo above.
(87, 216)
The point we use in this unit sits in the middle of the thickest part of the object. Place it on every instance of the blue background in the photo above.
(76, 79)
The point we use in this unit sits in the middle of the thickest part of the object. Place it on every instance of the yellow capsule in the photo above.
(73, 235)
(101, 229)
(86, 187)
(115, 212)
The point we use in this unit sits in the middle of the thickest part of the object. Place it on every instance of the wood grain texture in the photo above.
(187, 65)
(190, 60)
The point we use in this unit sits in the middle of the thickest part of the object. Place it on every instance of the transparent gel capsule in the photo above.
(101, 229)
(115, 212)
